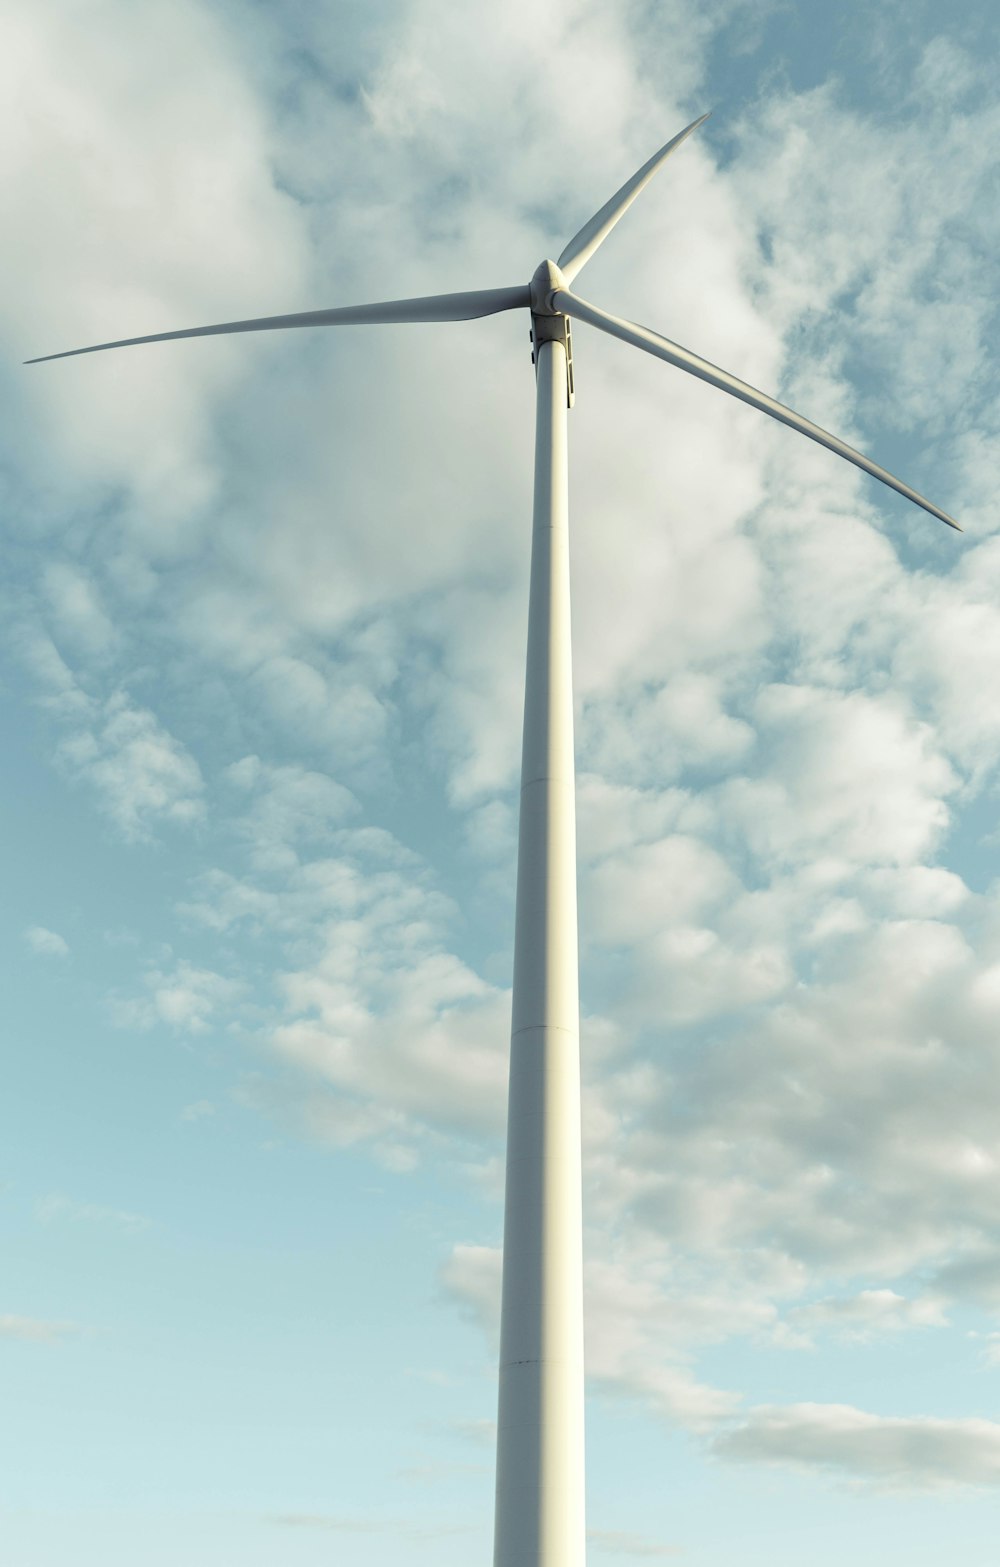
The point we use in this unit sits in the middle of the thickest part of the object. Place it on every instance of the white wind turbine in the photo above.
(540, 1447)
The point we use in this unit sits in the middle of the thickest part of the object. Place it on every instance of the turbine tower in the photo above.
(540, 1442)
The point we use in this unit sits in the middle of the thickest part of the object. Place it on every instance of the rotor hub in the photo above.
(549, 324)
(546, 281)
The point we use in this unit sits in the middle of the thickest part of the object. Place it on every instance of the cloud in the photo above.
(786, 684)
(34, 1330)
(471, 1275)
(59, 691)
(332, 1521)
(774, 746)
(638, 1335)
(55, 1207)
(482, 1432)
(183, 996)
(142, 775)
(852, 216)
(78, 617)
(624, 1543)
(428, 1050)
(200, 1110)
(384, 1035)
(160, 194)
(46, 942)
(867, 1315)
(972, 1274)
(913, 1453)
(846, 775)
(337, 1523)
(289, 805)
(837, 1129)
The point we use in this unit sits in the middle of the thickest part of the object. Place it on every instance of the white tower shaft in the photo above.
(540, 1520)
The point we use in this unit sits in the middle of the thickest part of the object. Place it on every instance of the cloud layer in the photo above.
(269, 597)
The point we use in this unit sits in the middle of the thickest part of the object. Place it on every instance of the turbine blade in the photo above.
(582, 246)
(435, 307)
(683, 359)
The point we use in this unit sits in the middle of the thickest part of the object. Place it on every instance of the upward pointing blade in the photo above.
(582, 246)
(434, 307)
(652, 343)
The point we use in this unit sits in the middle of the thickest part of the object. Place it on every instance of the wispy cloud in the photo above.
(34, 1330)
(918, 1453)
(867, 1315)
(55, 1208)
(620, 1542)
(182, 996)
(336, 1523)
(200, 1110)
(143, 776)
(48, 943)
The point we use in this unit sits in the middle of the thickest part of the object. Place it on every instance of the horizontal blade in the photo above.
(642, 337)
(580, 249)
(435, 307)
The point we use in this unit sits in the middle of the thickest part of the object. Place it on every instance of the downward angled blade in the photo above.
(434, 307)
(580, 249)
(652, 343)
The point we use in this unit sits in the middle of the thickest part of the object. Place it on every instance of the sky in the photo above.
(262, 621)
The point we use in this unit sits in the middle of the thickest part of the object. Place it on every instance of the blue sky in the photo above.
(263, 613)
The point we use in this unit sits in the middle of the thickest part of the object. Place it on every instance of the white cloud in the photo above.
(639, 1336)
(390, 1034)
(59, 689)
(142, 774)
(78, 617)
(839, 1128)
(399, 1528)
(837, 235)
(780, 712)
(672, 882)
(413, 1032)
(56, 1207)
(288, 806)
(622, 1542)
(334, 1522)
(866, 1315)
(917, 891)
(199, 1110)
(846, 774)
(34, 1330)
(157, 183)
(471, 1275)
(46, 942)
(338, 705)
(183, 996)
(661, 733)
(973, 1272)
(916, 1452)
(481, 1432)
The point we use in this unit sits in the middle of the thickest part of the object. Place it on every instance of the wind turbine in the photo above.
(540, 1445)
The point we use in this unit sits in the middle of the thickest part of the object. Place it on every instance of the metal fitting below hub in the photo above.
(554, 329)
